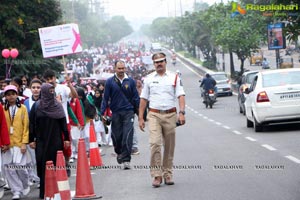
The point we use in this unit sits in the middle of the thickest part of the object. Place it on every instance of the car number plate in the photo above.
(211, 95)
(290, 96)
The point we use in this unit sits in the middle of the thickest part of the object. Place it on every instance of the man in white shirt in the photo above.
(161, 88)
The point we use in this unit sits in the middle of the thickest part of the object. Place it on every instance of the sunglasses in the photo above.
(161, 61)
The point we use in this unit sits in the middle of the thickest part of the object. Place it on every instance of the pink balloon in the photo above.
(14, 53)
(5, 53)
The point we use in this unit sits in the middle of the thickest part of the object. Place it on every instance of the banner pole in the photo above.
(64, 63)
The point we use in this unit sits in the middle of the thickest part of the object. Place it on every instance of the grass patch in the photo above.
(190, 57)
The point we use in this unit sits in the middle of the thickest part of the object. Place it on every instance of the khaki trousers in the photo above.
(162, 133)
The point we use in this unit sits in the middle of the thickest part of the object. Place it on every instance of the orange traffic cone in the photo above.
(51, 188)
(84, 185)
(95, 156)
(62, 177)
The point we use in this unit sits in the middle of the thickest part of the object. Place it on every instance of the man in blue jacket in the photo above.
(208, 83)
(121, 96)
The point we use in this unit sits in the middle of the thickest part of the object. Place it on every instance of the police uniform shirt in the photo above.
(161, 91)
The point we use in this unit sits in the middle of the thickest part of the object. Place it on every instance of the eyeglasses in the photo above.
(161, 61)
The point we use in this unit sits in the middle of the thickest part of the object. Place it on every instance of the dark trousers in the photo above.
(122, 133)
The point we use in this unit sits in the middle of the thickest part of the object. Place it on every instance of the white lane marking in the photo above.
(226, 127)
(92, 173)
(237, 132)
(269, 147)
(294, 159)
(251, 139)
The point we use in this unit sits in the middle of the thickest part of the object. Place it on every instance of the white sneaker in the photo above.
(26, 191)
(71, 160)
(2, 183)
(30, 183)
(126, 165)
(16, 196)
(1, 192)
(6, 187)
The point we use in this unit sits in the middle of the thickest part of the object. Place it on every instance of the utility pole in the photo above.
(180, 8)
(175, 8)
(73, 12)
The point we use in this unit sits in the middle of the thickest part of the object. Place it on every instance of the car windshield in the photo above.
(250, 77)
(280, 79)
(219, 77)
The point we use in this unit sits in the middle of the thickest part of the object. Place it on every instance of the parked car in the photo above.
(223, 83)
(244, 82)
(273, 97)
(286, 62)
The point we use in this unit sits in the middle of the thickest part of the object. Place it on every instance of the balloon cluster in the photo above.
(6, 53)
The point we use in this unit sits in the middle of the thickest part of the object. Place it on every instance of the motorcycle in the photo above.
(209, 98)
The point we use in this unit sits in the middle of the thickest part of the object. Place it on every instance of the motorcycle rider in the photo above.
(208, 83)
(173, 59)
(265, 64)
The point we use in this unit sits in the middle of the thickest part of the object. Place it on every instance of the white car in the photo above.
(155, 47)
(273, 97)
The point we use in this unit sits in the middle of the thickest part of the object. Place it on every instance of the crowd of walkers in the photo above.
(41, 115)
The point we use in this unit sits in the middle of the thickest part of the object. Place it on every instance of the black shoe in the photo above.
(68, 170)
(119, 159)
(126, 165)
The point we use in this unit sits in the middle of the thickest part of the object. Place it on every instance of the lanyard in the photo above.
(11, 114)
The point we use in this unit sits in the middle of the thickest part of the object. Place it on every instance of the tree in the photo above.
(117, 27)
(20, 22)
(240, 34)
(291, 18)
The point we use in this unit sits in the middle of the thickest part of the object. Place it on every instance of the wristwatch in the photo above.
(182, 112)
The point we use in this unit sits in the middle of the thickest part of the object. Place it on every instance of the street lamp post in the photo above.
(223, 60)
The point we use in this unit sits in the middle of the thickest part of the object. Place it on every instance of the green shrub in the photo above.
(187, 55)
(209, 65)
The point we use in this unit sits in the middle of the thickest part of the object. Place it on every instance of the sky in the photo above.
(144, 11)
